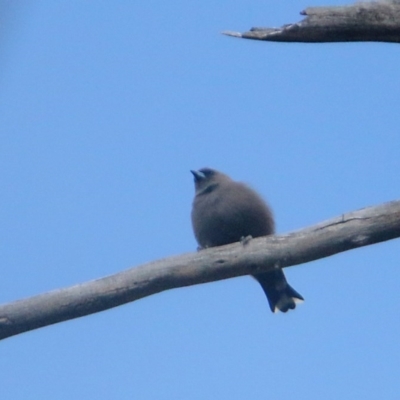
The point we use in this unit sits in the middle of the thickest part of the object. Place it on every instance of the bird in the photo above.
(225, 211)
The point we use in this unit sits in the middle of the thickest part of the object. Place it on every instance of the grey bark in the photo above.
(348, 231)
(375, 21)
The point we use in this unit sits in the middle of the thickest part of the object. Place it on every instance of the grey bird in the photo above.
(225, 211)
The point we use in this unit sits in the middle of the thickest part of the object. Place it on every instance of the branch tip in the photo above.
(232, 34)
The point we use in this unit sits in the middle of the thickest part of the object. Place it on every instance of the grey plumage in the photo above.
(225, 211)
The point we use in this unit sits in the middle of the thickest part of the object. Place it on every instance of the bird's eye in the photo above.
(207, 172)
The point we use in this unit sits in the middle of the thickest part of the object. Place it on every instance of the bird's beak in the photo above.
(198, 175)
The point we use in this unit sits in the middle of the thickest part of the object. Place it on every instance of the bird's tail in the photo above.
(281, 296)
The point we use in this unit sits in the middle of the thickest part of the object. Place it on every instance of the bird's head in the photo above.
(207, 179)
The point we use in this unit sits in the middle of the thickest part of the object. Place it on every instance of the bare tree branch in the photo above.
(348, 231)
(366, 22)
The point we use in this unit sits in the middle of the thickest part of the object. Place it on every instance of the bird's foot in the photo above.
(245, 239)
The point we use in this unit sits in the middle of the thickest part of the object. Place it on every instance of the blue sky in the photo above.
(104, 109)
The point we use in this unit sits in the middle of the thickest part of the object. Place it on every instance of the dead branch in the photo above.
(348, 231)
(361, 22)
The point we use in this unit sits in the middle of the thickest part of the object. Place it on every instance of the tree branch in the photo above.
(361, 22)
(348, 231)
